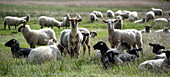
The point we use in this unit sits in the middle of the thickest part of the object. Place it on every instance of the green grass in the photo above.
(85, 65)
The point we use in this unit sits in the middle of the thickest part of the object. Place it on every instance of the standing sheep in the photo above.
(93, 17)
(65, 21)
(110, 13)
(133, 16)
(49, 21)
(36, 37)
(98, 14)
(15, 21)
(157, 11)
(150, 16)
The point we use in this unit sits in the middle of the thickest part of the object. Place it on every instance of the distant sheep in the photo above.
(133, 16)
(65, 21)
(161, 20)
(157, 11)
(17, 52)
(93, 34)
(110, 13)
(146, 30)
(78, 16)
(119, 24)
(150, 16)
(93, 17)
(165, 30)
(143, 20)
(49, 21)
(98, 14)
(15, 21)
(45, 53)
(36, 37)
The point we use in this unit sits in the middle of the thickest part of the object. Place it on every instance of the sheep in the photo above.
(158, 65)
(131, 36)
(75, 37)
(15, 21)
(36, 37)
(78, 16)
(110, 13)
(157, 50)
(17, 52)
(65, 21)
(150, 16)
(143, 20)
(93, 17)
(45, 53)
(117, 13)
(157, 11)
(161, 20)
(93, 34)
(98, 14)
(165, 30)
(132, 16)
(146, 30)
(119, 24)
(49, 21)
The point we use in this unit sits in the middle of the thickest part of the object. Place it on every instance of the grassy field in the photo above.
(86, 65)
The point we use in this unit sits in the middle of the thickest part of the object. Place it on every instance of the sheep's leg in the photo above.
(140, 46)
(5, 26)
(9, 27)
(84, 49)
(41, 27)
(78, 49)
(89, 49)
(134, 45)
(15, 27)
(51, 27)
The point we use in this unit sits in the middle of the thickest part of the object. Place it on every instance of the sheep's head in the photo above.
(93, 34)
(74, 22)
(101, 46)
(125, 45)
(111, 23)
(156, 48)
(68, 16)
(165, 29)
(135, 51)
(51, 42)
(12, 43)
(21, 28)
(147, 28)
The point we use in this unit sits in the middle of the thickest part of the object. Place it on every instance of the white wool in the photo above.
(143, 20)
(133, 16)
(150, 16)
(93, 17)
(157, 11)
(65, 21)
(110, 13)
(119, 24)
(98, 14)
(161, 20)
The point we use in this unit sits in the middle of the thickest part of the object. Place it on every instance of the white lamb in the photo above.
(65, 21)
(143, 20)
(133, 16)
(131, 36)
(161, 20)
(49, 21)
(110, 13)
(93, 17)
(150, 16)
(15, 21)
(98, 14)
(45, 53)
(157, 11)
(36, 37)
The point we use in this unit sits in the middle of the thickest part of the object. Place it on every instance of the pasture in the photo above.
(86, 65)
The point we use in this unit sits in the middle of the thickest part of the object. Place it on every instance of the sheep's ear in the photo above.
(116, 21)
(79, 20)
(104, 21)
(150, 44)
(140, 49)
(116, 53)
(54, 40)
(162, 47)
(24, 23)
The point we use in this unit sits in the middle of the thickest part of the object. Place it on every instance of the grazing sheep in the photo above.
(157, 11)
(45, 53)
(150, 16)
(146, 30)
(143, 20)
(131, 36)
(165, 30)
(119, 24)
(158, 65)
(110, 13)
(17, 52)
(133, 16)
(157, 50)
(93, 34)
(75, 37)
(36, 37)
(161, 20)
(49, 21)
(98, 14)
(93, 17)
(78, 16)
(15, 21)
(65, 21)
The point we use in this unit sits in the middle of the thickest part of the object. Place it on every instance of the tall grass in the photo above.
(85, 65)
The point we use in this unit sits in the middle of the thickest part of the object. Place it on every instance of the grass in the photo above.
(85, 65)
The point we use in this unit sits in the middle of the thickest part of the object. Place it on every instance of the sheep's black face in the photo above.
(147, 28)
(101, 46)
(156, 48)
(74, 22)
(135, 51)
(12, 43)
(20, 28)
(126, 45)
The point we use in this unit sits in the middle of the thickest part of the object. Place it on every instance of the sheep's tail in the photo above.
(27, 17)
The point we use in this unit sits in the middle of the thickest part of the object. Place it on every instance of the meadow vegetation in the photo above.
(86, 65)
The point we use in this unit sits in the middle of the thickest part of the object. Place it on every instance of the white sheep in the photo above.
(98, 14)
(150, 16)
(65, 21)
(15, 21)
(117, 13)
(78, 16)
(36, 37)
(146, 30)
(133, 16)
(49, 21)
(119, 25)
(110, 13)
(143, 20)
(161, 20)
(131, 36)
(93, 17)
(165, 30)
(157, 11)
(93, 34)
(45, 53)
